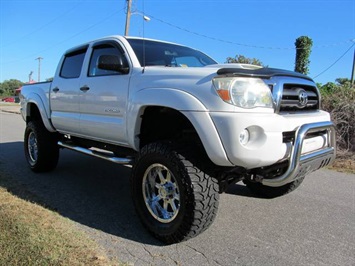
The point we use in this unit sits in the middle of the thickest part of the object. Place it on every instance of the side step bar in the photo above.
(97, 154)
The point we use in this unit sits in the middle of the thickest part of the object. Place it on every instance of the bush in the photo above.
(339, 100)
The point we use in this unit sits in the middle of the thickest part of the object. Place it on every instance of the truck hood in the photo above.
(184, 77)
(197, 81)
(246, 70)
(264, 73)
(254, 71)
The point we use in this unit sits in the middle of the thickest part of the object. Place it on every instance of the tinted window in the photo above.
(104, 49)
(153, 53)
(72, 64)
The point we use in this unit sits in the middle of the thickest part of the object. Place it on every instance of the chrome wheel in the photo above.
(174, 198)
(161, 193)
(40, 146)
(32, 147)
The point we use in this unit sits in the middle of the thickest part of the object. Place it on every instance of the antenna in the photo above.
(145, 18)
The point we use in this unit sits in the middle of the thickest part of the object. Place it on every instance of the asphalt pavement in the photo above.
(314, 225)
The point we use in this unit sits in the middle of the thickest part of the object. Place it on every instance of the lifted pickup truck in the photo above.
(188, 126)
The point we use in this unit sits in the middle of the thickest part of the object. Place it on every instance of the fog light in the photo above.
(244, 137)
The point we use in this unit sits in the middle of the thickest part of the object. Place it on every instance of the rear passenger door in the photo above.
(103, 99)
(64, 94)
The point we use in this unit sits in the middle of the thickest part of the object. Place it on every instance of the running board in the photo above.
(97, 154)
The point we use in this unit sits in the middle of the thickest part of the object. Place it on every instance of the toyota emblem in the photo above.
(302, 98)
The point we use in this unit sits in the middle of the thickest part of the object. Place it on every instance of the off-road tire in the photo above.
(272, 192)
(197, 191)
(41, 149)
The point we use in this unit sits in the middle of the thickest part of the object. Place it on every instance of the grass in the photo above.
(345, 162)
(33, 235)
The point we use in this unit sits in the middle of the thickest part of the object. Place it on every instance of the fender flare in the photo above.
(36, 99)
(186, 104)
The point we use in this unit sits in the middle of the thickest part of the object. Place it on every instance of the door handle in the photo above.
(56, 89)
(84, 88)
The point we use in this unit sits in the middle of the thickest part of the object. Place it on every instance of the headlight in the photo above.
(244, 92)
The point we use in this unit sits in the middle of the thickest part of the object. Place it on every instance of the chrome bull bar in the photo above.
(303, 164)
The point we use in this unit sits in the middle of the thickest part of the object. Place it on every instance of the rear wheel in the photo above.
(175, 199)
(41, 149)
(272, 192)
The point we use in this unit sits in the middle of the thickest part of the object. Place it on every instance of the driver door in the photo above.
(103, 98)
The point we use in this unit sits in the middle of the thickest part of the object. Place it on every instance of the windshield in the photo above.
(167, 54)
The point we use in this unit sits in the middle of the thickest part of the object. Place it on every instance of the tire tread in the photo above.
(203, 189)
(48, 150)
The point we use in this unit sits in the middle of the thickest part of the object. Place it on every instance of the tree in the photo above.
(303, 50)
(338, 99)
(332, 87)
(328, 88)
(343, 81)
(244, 60)
(8, 87)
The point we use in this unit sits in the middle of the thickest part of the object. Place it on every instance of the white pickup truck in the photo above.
(188, 126)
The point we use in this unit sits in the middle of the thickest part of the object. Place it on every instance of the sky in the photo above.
(261, 29)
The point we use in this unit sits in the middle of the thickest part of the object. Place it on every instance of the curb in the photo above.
(11, 112)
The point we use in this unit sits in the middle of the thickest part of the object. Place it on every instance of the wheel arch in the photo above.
(176, 107)
(164, 123)
(35, 110)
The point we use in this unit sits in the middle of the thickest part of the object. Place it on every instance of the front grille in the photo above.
(291, 100)
(288, 137)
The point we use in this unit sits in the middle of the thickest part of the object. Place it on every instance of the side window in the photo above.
(104, 49)
(72, 64)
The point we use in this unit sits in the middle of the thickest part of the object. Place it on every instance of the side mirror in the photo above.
(113, 63)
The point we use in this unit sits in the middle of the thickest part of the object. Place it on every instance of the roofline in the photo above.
(154, 40)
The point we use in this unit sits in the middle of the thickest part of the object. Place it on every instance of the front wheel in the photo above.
(41, 149)
(175, 200)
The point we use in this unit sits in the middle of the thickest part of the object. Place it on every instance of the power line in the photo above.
(42, 27)
(336, 61)
(241, 44)
(69, 38)
(262, 47)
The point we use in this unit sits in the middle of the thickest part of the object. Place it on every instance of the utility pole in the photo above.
(39, 67)
(30, 77)
(128, 16)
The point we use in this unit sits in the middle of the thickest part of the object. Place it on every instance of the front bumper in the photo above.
(303, 164)
(267, 145)
(312, 145)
